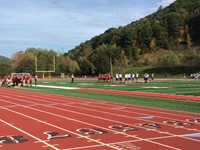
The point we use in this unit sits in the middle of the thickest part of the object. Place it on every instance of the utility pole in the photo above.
(111, 70)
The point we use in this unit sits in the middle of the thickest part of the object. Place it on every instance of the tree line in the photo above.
(25, 61)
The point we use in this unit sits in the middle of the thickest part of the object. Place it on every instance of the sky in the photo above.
(62, 25)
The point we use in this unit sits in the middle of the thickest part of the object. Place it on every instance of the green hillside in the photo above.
(170, 37)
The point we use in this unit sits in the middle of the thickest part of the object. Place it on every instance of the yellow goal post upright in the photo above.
(45, 71)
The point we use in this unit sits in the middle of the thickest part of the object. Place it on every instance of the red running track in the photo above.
(33, 120)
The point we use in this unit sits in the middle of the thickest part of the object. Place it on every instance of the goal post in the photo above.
(53, 69)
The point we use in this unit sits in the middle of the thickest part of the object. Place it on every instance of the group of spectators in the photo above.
(19, 80)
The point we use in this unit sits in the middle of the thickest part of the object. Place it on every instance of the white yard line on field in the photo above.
(58, 87)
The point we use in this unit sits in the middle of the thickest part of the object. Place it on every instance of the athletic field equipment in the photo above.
(20, 74)
(45, 71)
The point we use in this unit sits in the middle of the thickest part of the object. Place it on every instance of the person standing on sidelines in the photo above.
(136, 77)
(30, 80)
(126, 78)
(146, 78)
(117, 78)
(120, 78)
(152, 77)
(133, 77)
(72, 77)
(36, 78)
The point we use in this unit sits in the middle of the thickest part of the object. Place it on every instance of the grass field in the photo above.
(179, 87)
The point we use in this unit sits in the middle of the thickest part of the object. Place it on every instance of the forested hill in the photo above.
(169, 37)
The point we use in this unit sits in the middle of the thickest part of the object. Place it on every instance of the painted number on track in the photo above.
(55, 135)
(12, 139)
(91, 131)
(177, 123)
(123, 128)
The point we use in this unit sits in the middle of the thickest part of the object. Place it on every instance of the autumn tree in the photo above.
(5, 66)
(122, 61)
(101, 60)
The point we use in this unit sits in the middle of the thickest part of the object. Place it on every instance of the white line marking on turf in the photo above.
(114, 85)
(85, 84)
(57, 87)
(155, 87)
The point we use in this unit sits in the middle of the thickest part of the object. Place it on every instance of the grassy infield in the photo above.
(183, 87)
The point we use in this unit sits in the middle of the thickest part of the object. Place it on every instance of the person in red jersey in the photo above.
(30, 80)
(4, 83)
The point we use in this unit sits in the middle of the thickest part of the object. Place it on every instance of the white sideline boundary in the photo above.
(57, 87)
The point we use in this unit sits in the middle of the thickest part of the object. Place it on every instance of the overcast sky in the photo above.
(63, 24)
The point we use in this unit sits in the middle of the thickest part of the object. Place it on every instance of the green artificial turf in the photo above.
(181, 87)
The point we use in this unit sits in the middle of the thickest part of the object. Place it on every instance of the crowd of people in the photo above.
(104, 77)
(195, 76)
(131, 78)
(19, 80)
(126, 78)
